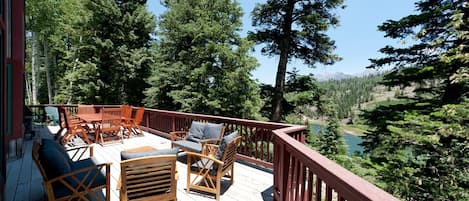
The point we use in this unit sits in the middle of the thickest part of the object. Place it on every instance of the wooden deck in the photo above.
(24, 182)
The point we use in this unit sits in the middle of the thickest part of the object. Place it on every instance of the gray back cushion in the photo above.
(227, 139)
(196, 132)
(212, 131)
(131, 155)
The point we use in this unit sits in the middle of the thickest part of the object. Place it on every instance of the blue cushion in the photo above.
(131, 155)
(196, 132)
(227, 139)
(212, 131)
(54, 161)
(60, 190)
(55, 145)
(188, 145)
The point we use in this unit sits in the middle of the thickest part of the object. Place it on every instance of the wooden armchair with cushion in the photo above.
(67, 179)
(198, 136)
(148, 175)
(204, 172)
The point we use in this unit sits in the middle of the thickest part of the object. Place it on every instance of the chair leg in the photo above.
(217, 196)
(232, 174)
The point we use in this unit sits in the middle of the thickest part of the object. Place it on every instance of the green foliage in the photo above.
(350, 93)
(202, 63)
(111, 57)
(421, 143)
(302, 93)
(294, 29)
(331, 143)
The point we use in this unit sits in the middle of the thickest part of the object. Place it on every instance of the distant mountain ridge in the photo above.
(332, 76)
(342, 76)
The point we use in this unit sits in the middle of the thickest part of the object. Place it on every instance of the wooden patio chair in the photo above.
(110, 125)
(133, 124)
(73, 128)
(204, 172)
(199, 134)
(71, 178)
(148, 175)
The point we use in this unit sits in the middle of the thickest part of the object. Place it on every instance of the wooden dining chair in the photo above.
(86, 109)
(110, 125)
(126, 115)
(73, 128)
(133, 125)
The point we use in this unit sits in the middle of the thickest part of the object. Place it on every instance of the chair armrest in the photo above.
(74, 176)
(193, 155)
(178, 135)
(78, 153)
(210, 149)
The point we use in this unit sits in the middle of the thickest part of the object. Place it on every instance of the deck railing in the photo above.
(299, 172)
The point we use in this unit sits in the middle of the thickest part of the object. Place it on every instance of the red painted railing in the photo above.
(301, 173)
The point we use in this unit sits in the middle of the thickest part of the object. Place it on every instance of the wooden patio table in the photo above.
(95, 120)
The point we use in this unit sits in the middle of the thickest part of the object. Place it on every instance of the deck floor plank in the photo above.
(250, 183)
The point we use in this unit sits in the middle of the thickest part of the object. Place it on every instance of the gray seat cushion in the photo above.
(196, 132)
(212, 131)
(227, 139)
(131, 155)
(188, 145)
(196, 166)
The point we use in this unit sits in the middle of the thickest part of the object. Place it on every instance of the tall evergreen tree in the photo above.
(294, 29)
(422, 142)
(112, 55)
(332, 143)
(203, 64)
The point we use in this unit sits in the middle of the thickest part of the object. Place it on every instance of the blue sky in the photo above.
(357, 38)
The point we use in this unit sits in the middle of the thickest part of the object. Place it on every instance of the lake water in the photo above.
(352, 141)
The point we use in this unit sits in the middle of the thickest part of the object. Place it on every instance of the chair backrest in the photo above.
(139, 115)
(126, 111)
(86, 109)
(229, 153)
(52, 114)
(111, 118)
(35, 154)
(149, 178)
(63, 114)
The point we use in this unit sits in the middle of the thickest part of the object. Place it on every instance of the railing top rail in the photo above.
(342, 179)
(263, 124)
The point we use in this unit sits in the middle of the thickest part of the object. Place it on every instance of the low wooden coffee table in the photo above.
(140, 149)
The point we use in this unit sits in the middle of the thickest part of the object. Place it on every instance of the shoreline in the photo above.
(323, 123)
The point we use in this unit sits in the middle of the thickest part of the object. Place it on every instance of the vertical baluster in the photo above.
(292, 178)
(309, 189)
(328, 193)
(302, 182)
(318, 188)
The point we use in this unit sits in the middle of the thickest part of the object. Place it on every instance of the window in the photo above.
(8, 27)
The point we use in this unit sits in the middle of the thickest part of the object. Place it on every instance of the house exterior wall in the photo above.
(12, 54)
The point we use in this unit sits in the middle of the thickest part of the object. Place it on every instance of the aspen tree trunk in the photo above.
(46, 65)
(33, 68)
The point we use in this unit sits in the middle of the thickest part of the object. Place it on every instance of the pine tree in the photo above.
(202, 63)
(112, 56)
(332, 143)
(421, 142)
(294, 29)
